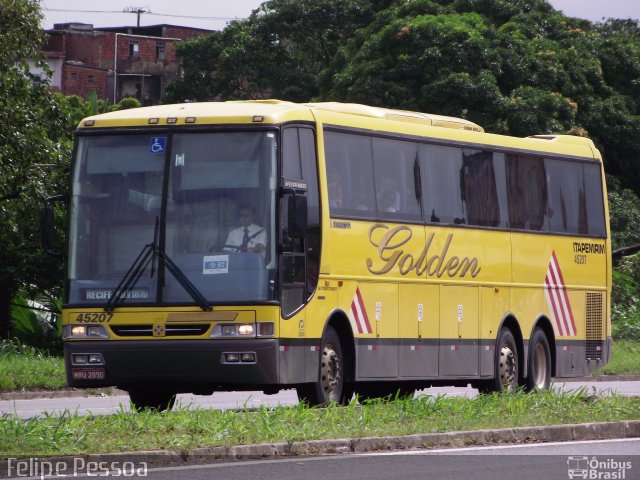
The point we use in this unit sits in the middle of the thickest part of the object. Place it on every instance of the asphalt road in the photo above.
(233, 400)
(522, 462)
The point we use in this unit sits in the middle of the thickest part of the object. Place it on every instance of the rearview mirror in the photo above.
(48, 225)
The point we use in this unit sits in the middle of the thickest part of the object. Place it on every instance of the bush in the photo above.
(624, 214)
(35, 325)
(625, 309)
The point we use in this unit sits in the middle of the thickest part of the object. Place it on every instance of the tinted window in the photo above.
(310, 174)
(440, 169)
(291, 154)
(527, 192)
(350, 175)
(394, 164)
(595, 203)
(482, 183)
(567, 197)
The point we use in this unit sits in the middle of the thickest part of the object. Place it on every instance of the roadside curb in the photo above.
(554, 433)
(107, 392)
(65, 393)
(603, 378)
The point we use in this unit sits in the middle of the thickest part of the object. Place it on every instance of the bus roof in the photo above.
(342, 114)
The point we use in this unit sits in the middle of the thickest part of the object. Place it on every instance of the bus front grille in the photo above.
(182, 330)
(594, 313)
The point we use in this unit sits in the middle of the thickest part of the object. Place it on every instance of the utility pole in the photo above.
(138, 11)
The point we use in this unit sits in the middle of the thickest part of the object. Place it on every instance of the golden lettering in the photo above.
(469, 264)
(436, 265)
(405, 269)
(386, 244)
(437, 271)
(420, 269)
(453, 266)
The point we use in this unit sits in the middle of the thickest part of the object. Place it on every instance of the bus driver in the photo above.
(248, 237)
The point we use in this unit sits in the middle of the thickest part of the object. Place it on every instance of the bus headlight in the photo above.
(234, 330)
(245, 330)
(84, 331)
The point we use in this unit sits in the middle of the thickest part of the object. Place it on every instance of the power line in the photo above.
(138, 11)
(145, 12)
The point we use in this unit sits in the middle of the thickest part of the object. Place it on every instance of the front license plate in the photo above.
(88, 373)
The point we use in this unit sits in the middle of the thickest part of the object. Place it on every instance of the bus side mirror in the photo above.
(297, 216)
(48, 225)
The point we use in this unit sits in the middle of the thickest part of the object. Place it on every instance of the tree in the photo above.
(33, 158)
(278, 52)
(515, 67)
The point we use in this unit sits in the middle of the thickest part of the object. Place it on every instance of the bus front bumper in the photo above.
(179, 364)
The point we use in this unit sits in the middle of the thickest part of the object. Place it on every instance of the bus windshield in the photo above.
(213, 196)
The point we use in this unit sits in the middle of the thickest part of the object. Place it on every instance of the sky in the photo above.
(214, 14)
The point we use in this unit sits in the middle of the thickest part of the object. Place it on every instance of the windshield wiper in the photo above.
(149, 255)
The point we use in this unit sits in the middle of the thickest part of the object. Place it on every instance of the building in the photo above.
(114, 62)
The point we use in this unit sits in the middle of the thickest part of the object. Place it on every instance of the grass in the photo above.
(182, 429)
(625, 359)
(26, 368)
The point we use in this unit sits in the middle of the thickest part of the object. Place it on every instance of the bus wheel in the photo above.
(539, 365)
(330, 386)
(151, 399)
(506, 363)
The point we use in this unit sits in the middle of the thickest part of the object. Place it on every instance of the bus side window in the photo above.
(567, 196)
(350, 172)
(594, 201)
(441, 187)
(482, 191)
(527, 188)
(393, 166)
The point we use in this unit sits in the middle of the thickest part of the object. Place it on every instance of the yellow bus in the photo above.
(332, 248)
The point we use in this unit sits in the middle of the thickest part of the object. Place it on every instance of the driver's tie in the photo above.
(245, 240)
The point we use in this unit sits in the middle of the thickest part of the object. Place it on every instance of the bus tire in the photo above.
(152, 399)
(330, 386)
(539, 362)
(506, 365)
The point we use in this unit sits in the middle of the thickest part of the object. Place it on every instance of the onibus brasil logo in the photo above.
(595, 468)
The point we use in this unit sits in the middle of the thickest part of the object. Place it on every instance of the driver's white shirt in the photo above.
(234, 239)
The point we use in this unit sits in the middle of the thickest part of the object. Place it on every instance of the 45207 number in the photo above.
(101, 317)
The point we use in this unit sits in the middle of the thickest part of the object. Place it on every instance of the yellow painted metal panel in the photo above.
(419, 311)
(494, 306)
(459, 312)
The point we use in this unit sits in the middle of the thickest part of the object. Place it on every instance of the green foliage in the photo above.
(625, 359)
(36, 127)
(35, 325)
(182, 429)
(516, 67)
(25, 367)
(21, 34)
(624, 214)
(127, 103)
(625, 309)
(277, 52)
(34, 155)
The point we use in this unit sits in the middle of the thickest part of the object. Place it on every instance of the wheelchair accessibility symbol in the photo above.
(157, 144)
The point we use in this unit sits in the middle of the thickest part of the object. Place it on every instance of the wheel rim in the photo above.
(539, 367)
(330, 371)
(508, 369)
